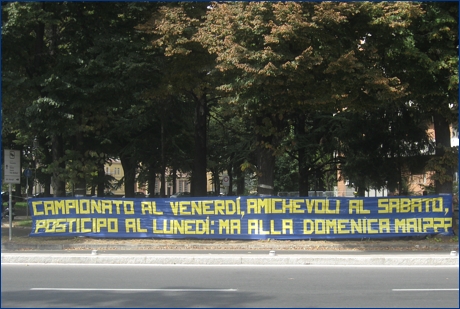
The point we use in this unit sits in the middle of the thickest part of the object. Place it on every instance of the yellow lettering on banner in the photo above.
(174, 207)
(287, 206)
(50, 227)
(427, 224)
(253, 226)
(130, 225)
(400, 224)
(308, 226)
(287, 225)
(178, 227)
(138, 226)
(146, 207)
(405, 205)
(83, 228)
(207, 208)
(382, 206)
(96, 206)
(187, 227)
(416, 204)
(437, 204)
(294, 207)
(320, 227)
(60, 207)
(219, 207)
(150, 208)
(100, 222)
(128, 207)
(71, 204)
(393, 203)
(155, 229)
(48, 206)
(83, 204)
(310, 204)
(272, 228)
(117, 205)
(320, 206)
(231, 207)
(384, 226)
(263, 204)
(235, 226)
(155, 211)
(275, 210)
(113, 225)
(195, 208)
(438, 223)
(202, 227)
(40, 224)
(261, 228)
(353, 205)
(251, 206)
(411, 225)
(369, 226)
(357, 226)
(232, 226)
(331, 224)
(333, 211)
(447, 223)
(357, 206)
(106, 206)
(71, 222)
(341, 226)
(60, 226)
(74, 225)
(35, 210)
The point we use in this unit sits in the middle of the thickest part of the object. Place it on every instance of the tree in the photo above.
(186, 71)
(72, 56)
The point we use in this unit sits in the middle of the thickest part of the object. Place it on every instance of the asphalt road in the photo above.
(124, 286)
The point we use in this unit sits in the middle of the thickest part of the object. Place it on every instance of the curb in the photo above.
(194, 246)
(194, 259)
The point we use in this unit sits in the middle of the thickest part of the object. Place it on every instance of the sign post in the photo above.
(226, 183)
(12, 174)
(27, 173)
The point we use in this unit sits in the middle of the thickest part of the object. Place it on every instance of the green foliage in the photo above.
(196, 85)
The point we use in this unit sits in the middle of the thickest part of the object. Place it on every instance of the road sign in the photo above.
(12, 166)
(225, 181)
(27, 173)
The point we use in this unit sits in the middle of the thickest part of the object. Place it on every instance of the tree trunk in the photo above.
(129, 168)
(216, 181)
(240, 187)
(100, 187)
(230, 181)
(304, 186)
(163, 182)
(163, 161)
(174, 180)
(57, 154)
(152, 177)
(442, 136)
(265, 168)
(199, 181)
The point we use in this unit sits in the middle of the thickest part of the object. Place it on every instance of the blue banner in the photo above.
(246, 217)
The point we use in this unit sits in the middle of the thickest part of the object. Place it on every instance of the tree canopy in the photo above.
(295, 93)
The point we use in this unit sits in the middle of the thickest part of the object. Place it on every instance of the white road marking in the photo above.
(424, 290)
(135, 290)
